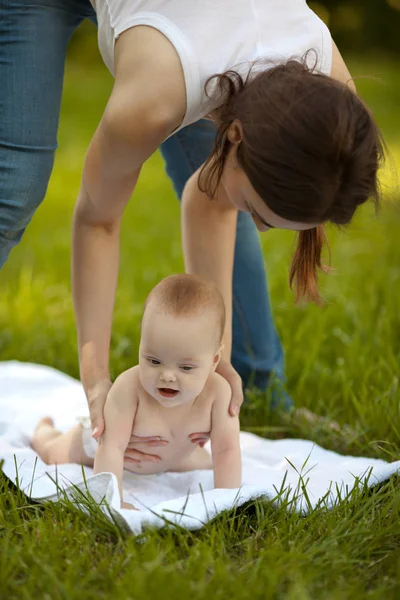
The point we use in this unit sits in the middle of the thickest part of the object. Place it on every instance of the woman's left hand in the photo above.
(132, 454)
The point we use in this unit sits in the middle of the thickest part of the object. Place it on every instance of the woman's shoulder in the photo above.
(147, 67)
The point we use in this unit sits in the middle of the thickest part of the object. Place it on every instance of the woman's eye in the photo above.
(187, 368)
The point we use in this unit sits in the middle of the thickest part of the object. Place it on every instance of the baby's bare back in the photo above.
(173, 425)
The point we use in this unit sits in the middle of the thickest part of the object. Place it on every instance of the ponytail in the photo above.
(306, 262)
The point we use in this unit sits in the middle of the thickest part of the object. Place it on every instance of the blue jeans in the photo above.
(34, 35)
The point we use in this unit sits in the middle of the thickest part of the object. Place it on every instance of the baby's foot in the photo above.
(43, 433)
(45, 422)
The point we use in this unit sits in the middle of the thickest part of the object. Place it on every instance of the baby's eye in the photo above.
(153, 361)
(187, 368)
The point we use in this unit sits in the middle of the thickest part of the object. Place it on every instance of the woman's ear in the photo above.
(235, 133)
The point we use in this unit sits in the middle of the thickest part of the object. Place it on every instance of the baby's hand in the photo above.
(128, 505)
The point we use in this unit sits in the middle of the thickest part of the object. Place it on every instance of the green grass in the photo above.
(342, 362)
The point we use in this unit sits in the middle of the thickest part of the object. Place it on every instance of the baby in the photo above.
(173, 391)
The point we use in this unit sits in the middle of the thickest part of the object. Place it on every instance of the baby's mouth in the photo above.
(168, 392)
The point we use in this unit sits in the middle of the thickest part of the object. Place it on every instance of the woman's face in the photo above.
(243, 197)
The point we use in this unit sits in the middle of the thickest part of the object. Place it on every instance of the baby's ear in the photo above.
(217, 357)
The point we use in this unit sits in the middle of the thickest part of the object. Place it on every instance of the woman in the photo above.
(293, 150)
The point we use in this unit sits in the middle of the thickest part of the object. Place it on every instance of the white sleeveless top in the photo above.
(212, 36)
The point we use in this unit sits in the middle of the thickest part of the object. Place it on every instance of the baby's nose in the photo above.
(168, 375)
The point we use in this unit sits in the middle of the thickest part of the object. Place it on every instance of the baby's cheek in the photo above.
(146, 379)
(199, 383)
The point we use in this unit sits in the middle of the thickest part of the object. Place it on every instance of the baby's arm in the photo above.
(225, 442)
(119, 413)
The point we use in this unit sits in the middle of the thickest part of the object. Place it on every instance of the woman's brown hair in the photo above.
(310, 148)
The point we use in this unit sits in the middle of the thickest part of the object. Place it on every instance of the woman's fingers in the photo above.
(199, 434)
(137, 456)
(200, 441)
(145, 438)
(200, 438)
(96, 399)
(97, 420)
(235, 381)
(152, 444)
(237, 393)
(151, 440)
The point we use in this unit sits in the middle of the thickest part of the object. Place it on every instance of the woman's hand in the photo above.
(235, 381)
(137, 456)
(96, 397)
(200, 438)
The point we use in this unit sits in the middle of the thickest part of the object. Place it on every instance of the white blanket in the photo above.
(278, 470)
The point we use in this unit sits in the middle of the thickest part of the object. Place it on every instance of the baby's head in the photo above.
(182, 328)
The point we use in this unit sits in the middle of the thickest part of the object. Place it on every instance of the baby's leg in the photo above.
(199, 459)
(55, 447)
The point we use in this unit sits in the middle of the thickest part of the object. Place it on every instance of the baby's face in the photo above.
(176, 355)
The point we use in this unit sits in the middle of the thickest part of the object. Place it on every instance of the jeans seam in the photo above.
(6, 240)
(27, 148)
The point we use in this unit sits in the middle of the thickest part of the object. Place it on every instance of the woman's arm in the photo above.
(146, 105)
(110, 174)
(108, 180)
(208, 237)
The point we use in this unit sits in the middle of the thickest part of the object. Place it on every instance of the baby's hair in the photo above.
(187, 295)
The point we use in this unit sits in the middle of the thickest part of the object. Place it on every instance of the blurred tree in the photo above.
(356, 25)
(362, 25)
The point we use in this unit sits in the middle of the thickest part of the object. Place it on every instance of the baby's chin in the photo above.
(170, 404)
(175, 402)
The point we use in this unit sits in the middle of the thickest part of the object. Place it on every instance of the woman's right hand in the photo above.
(96, 397)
